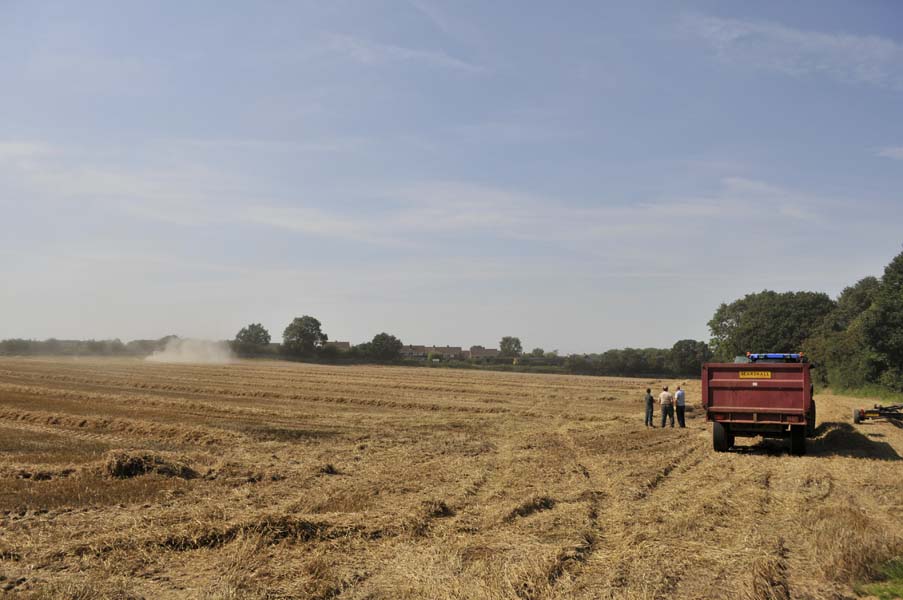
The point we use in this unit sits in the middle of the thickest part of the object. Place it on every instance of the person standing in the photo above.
(679, 400)
(650, 404)
(667, 402)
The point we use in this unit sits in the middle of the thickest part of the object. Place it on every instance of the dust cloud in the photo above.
(179, 350)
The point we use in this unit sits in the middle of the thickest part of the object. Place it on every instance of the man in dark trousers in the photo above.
(650, 404)
(667, 402)
(680, 401)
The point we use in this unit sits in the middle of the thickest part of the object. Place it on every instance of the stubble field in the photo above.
(129, 479)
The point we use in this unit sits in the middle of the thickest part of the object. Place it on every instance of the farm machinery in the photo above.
(767, 395)
(893, 411)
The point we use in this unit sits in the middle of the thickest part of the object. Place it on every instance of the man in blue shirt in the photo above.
(680, 401)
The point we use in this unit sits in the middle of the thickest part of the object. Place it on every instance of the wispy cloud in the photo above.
(405, 215)
(320, 223)
(844, 57)
(11, 150)
(375, 53)
(895, 152)
(330, 144)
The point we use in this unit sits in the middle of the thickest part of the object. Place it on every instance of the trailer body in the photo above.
(769, 399)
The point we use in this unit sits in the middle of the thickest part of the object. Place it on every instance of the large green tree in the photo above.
(510, 346)
(687, 357)
(838, 348)
(253, 338)
(303, 336)
(767, 322)
(882, 325)
(385, 346)
(852, 302)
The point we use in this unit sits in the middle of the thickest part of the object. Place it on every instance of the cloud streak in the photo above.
(11, 150)
(894, 152)
(374, 53)
(856, 59)
(407, 215)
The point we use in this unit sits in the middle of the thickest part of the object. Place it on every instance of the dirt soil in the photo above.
(130, 479)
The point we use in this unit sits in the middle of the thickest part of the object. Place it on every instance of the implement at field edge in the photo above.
(894, 411)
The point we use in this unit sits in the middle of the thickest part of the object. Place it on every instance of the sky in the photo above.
(583, 175)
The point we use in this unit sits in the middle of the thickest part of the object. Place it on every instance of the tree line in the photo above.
(855, 340)
(57, 347)
(684, 358)
(304, 337)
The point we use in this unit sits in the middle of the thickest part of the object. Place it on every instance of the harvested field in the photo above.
(130, 479)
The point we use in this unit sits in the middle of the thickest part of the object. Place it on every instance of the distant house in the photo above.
(446, 351)
(421, 352)
(413, 351)
(481, 352)
(340, 346)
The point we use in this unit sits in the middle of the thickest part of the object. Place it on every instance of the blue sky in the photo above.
(582, 175)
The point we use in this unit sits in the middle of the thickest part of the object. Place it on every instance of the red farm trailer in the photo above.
(768, 395)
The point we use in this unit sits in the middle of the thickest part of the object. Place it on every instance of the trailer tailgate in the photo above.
(766, 393)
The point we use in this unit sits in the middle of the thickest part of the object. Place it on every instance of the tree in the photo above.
(510, 347)
(385, 346)
(852, 302)
(362, 350)
(838, 348)
(882, 325)
(767, 322)
(537, 353)
(96, 347)
(632, 361)
(251, 339)
(329, 352)
(303, 336)
(576, 363)
(687, 356)
(16, 346)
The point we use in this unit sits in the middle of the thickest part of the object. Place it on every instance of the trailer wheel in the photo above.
(730, 438)
(719, 437)
(810, 421)
(797, 440)
(857, 416)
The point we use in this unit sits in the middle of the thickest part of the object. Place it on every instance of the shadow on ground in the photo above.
(286, 434)
(843, 439)
(831, 439)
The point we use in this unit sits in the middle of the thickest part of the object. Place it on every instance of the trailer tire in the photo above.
(730, 438)
(810, 421)
(857, 416)
(797, 440)
(719, 437)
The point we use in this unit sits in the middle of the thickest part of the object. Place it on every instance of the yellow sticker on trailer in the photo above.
(755, 374)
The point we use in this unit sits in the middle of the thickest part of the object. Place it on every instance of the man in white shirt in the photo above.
(667, 402)
(679, 400)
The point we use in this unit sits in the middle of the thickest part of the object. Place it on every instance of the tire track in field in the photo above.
(626, 499)
(160, 410)
(117, 426)
(199, 389)
(102, 438)
(571, 557)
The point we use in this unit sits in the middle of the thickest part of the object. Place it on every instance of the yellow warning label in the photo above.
(755, 374)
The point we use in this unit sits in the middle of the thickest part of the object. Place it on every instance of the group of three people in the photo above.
(668, 403)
